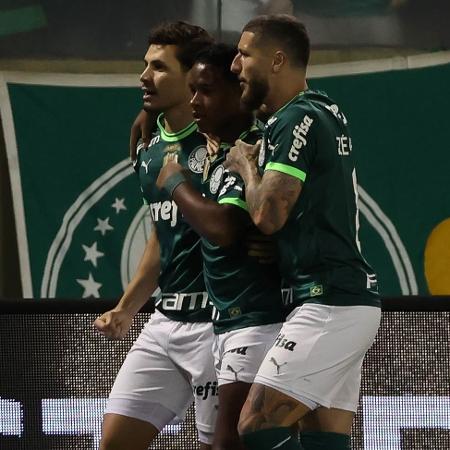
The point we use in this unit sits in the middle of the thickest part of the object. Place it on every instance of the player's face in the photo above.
(164, 83)
(252, 68)
(215, 100)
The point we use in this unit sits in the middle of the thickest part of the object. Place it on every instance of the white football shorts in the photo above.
(319, 353)
(170, 364)
(239, 353)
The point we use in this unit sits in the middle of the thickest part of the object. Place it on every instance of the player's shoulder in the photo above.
(323, 107)
(309, 106)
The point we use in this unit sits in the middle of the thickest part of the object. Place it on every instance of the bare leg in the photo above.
(268, 408)
(231, 399)
(330, 420)
(123, 433)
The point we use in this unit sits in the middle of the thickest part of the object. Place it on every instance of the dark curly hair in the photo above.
(220, 56)
(189, 40)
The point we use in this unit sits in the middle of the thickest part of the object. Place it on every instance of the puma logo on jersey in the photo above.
(145, 165)
(278, 366)
(166, 210)
(234, 371)
(300, 132)
(282, 342)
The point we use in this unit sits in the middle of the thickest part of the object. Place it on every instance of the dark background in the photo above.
(60, 356)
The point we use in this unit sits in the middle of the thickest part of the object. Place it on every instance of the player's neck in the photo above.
(177, 118)
(232, 130)
(283, 93)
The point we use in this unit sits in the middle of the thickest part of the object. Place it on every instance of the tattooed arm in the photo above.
(270, 198)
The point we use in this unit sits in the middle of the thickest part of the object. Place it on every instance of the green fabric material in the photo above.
(180, 248)
(325, 441)
(22, 19)
(272, 438)
(244, 289)
(310, 135)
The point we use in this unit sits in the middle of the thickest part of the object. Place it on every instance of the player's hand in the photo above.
(166, 171)
(241, 155)
(212, 144)
(262, 247)
(114, 324)
(142, 128)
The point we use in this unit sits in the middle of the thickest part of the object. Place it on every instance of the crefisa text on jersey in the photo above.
(300, 132)
(166, 210)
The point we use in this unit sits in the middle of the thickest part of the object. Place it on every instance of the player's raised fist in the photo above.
(113, 324)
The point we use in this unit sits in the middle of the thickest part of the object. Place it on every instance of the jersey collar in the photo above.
(292, 100)
(174, 137)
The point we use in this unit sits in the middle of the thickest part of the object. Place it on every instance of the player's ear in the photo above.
(279, 60)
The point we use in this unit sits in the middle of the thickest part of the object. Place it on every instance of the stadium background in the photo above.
(65, 137)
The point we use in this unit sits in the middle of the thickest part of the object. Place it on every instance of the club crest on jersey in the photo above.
(171, 153)
(216, 179)
(235, 311)
(196, 160)
(172, 148)
(316, 290)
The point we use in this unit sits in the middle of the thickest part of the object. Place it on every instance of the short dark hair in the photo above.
(189, 39)
(287, 31)
(220, 56)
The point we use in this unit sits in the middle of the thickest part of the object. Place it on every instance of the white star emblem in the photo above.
(92, 254)
(90, 286)
(119, 205)
(103, 226)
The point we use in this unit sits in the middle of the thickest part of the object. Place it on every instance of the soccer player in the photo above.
(171, 363)
(307, 198)
(244, 286)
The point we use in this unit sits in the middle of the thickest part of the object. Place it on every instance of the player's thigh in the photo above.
(319, 349)
(149, 376)
(267, 407)
(124, 433)
(331, 420)
(191, 351)
(204, 446)
(232, 397)
(239, 353)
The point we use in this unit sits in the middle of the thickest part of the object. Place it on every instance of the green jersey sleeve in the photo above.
(291, 143)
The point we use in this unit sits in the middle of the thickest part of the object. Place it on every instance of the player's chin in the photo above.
(204, 126)
(150, 107)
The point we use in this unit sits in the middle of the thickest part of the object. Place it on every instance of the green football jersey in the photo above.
(318, 248)
(183, 294)
(244, 290)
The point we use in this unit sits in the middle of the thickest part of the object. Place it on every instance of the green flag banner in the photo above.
(80, 220)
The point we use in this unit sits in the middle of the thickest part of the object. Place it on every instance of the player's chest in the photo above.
(153, 159)
(213, 174)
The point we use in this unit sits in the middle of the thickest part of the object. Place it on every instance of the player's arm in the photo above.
(116, 323)
(270, 197)
(219, 223)
(142, 128)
